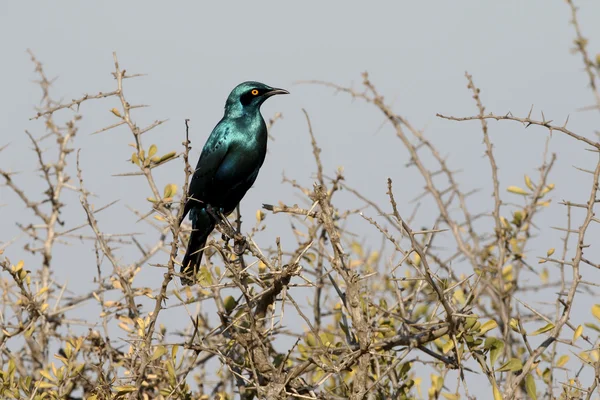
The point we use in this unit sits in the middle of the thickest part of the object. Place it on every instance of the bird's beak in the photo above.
(275, 91)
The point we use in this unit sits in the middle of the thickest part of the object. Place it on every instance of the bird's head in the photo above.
(249, 96)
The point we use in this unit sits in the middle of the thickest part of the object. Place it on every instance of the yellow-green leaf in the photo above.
(171, 370)
(417, 259)
(45, 385)
(451, 396)
(547, 189)
(596, 311)
(152, 150)
(18, 267)
(514, 364)
(470, 322)
(449, 345)
(174, 350)
(491, 324)
(47, 375)
(550, 252)
(517, 190)
(562, 361)
(497, 394)
(578, 332)
(545, 328)
(125, 389)
(230, 303)
(437, 382)
(357, 249)
(514, 325)
(592, 326)
(530, 386)
(167, 156)
(170, 190)
(459, 296)
(159, 351)
(544, 275)
(205, 276)
(529, 183)
(116, 112)
(495, 352)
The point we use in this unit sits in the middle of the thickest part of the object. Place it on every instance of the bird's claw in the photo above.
(240, 246)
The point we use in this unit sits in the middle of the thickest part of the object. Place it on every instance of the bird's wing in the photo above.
(211, 158)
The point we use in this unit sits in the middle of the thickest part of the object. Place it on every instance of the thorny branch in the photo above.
(329, 316)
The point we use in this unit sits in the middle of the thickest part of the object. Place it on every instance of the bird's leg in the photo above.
(239, 245)
(229, 231)
(226, 222)
(218, 216)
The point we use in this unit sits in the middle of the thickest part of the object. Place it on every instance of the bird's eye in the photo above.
(254, 92)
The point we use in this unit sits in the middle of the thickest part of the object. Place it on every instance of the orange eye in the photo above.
(254, 92)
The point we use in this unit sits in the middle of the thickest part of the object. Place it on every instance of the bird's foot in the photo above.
(240, 245)
(221, 219)
(231, 231)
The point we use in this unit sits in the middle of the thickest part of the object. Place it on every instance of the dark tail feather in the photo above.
(202, 226)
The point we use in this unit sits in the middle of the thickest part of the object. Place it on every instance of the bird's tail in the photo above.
(202, 226)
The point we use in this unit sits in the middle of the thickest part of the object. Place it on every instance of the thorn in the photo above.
(567, 121)
(530, 111)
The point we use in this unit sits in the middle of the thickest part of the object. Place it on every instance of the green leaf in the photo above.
(514, 364)
(205, 276)
(230, 303)
(470, 322)
(496, 346)
(404, 370)
(530, 386)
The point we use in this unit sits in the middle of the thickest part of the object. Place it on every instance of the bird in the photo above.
(228, 166)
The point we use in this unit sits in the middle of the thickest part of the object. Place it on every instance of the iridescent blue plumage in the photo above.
(228, 166)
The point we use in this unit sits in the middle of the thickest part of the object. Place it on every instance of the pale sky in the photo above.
(195, 52)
